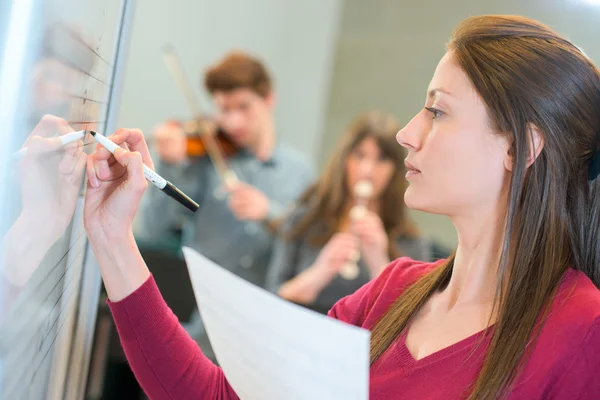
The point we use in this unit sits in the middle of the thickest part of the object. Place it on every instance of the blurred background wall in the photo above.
(331, 59)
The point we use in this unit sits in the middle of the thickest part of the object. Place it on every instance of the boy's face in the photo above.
(243, 114)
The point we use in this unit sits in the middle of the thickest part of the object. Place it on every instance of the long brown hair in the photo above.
(326, 200)
(527, 75)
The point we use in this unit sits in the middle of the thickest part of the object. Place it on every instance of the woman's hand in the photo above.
(116, 184)
(336, 254)
(171, 143)
(306, 286)
(50, 177)
(373, 242)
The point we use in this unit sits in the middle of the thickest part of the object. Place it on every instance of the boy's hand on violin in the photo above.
(171, 143)
(248, 203)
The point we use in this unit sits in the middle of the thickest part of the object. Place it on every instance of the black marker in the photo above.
(158, 181)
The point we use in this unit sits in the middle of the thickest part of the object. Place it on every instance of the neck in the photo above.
(265, 145)
(474, 276)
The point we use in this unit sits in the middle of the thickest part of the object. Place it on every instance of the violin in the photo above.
(195, 141)
(204, 137)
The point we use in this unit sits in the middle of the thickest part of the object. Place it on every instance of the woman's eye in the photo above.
(435, 113)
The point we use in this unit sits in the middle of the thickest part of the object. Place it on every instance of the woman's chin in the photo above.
(418, 202)
(412, 199)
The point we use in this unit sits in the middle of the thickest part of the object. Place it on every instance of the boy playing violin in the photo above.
(230, 227)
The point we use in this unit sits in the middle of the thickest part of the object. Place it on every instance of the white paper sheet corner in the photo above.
(272, 349)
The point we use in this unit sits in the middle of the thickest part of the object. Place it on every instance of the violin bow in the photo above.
(227, 175)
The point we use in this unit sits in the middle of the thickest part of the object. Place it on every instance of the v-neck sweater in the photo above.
(564, 361)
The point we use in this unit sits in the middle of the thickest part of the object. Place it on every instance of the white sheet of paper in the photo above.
(271, 349)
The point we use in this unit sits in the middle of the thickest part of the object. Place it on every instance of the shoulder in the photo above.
(291, 219)
(291, 153)
(572, 317)
(370, 302)
(565, 354)
(576, 305)
(403, 272)
(293, 158)
(297, 212)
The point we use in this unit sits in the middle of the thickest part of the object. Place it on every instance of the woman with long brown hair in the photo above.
(310, 263)
(507, 146)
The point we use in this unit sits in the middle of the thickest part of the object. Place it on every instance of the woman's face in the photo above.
(367, 162)
(456, 163)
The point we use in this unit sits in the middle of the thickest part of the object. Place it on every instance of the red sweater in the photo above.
(564, 363)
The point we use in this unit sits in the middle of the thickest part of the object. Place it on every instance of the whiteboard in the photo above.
(61, 64)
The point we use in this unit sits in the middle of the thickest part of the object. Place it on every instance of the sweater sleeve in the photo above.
(579, 379)
(167, 363)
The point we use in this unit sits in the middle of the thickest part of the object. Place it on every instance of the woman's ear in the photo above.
(536, 143)
(535, 140)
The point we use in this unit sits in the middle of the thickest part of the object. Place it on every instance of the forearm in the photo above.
(24, 247)
(167, 363)
(305, 287)
(122, 267)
